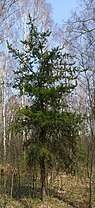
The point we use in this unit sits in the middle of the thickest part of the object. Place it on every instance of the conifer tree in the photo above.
(48, 76)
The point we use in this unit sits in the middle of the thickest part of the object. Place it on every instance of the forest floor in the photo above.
(69, 192)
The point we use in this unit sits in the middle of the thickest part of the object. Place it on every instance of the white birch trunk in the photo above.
(23, 22)
(4, 120)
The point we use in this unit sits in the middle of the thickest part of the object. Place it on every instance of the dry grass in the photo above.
(69, 192)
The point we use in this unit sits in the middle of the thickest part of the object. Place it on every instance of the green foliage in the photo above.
(47, 76)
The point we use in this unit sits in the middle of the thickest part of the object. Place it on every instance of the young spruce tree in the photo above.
(48, 76)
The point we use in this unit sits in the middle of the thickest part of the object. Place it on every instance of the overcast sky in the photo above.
(61, 9)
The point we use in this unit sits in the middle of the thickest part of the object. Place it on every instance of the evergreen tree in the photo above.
(48, 76)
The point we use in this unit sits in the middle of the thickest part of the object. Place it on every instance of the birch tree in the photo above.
(80, 39)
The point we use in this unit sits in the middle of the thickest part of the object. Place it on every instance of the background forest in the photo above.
(47, 106)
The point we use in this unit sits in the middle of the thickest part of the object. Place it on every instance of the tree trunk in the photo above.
(42, 178)
(42, 161)
(90, 193)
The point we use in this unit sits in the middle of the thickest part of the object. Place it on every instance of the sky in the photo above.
(61, 9)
